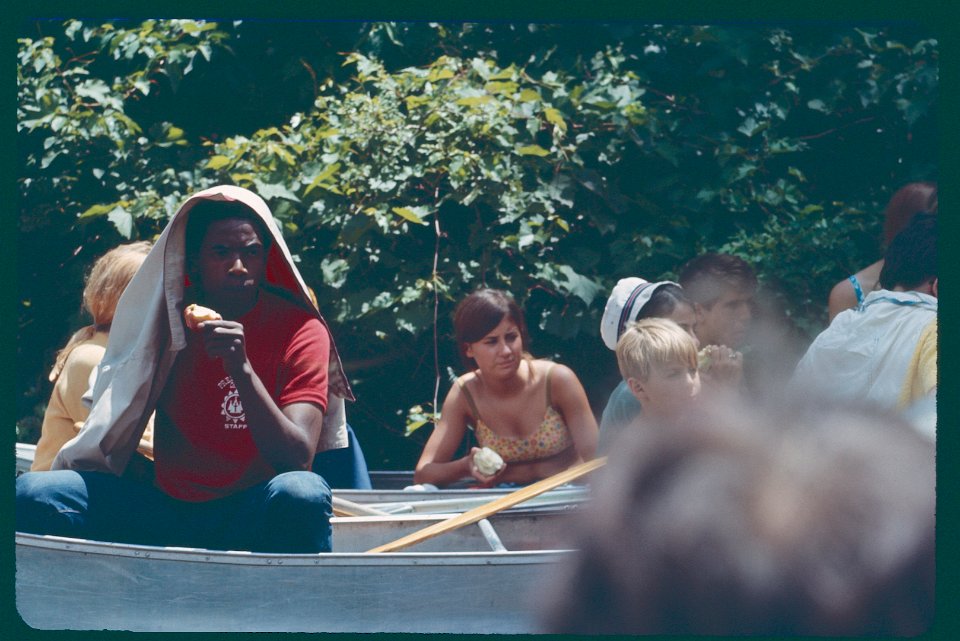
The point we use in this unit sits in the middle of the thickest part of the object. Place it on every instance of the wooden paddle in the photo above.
(343, 507)
(487, 509)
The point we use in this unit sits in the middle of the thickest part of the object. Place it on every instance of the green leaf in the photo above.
(501, 87)
(122, 220)
(218, 162)
(416, 101)
(335, 271)
(413, 426)
(750, 126)
(439, 74)
(532, 150)
(744, 170)
(97, 210)
(322, 177)
(269, 191)
(129, 122)
(529, 95)
(578, 285)
(94, 89)
(473, 101)
(408, 214)
(555, 117)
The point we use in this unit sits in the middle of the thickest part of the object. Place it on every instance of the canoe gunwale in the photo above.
(240, 557)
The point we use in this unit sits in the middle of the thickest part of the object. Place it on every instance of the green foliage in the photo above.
(80, 144)
(549, 160)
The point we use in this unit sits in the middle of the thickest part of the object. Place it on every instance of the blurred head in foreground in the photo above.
(790, 521)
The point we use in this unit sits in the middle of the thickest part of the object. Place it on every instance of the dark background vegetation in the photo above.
(546, 159)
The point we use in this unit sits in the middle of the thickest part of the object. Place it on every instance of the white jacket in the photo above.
(147, 333)
(864, 353)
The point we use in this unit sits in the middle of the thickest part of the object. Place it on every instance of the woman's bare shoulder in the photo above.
(561, 376)
(469, 381)
(843, 296)
(540, 367)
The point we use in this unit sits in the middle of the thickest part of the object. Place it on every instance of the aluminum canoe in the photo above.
(480, 579)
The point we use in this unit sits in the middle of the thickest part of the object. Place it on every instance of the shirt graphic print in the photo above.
(231, 408)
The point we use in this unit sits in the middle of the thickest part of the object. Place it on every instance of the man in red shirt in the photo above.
(239, 411)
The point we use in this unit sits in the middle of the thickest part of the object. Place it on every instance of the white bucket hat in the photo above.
(624, 305)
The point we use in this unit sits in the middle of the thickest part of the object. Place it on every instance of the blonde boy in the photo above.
(658, 360)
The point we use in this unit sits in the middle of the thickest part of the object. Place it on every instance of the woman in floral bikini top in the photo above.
(551, 436)
(532, 412)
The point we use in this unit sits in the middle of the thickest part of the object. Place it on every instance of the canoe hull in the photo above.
(85, 585)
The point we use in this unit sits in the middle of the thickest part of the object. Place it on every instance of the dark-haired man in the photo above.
(243, 402)
(885, 352)
(722, 287)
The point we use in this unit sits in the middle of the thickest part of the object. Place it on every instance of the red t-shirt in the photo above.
(203, 448)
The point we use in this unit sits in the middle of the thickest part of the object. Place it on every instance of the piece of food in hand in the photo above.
(487, 461)
(703, 360)
(195, 314)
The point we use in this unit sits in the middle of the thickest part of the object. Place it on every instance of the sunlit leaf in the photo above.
(322, 177)
(439, 74)
(501, 87)
(218, 162)
(473, 101)
(532, 150)
(96, 210)
(408, 214)
(122, 220)
(555, 117)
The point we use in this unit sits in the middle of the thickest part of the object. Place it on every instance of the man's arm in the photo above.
(287, 438)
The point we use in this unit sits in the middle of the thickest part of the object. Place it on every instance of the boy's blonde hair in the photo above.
(653, 340)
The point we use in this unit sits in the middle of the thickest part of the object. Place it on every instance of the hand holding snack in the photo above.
(195, 314)
(487, 461)
(720, 366)
(225, 340)
(486, 466)
(704, 359)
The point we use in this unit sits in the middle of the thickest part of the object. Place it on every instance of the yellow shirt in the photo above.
(921, 376)
(66, 411)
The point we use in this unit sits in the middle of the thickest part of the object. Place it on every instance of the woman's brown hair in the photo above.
(908, 201)
(479, 314)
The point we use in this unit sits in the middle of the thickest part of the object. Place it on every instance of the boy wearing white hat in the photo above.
(633, 299)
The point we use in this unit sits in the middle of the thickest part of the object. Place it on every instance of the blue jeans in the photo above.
(346, 468)
(289, 513)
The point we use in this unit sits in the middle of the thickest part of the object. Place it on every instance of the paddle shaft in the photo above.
(343, 507)
(488, 509)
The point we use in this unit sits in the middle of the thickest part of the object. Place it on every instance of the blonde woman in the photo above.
(66, 411)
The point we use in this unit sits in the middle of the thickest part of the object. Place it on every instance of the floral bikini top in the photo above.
(550, 438)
